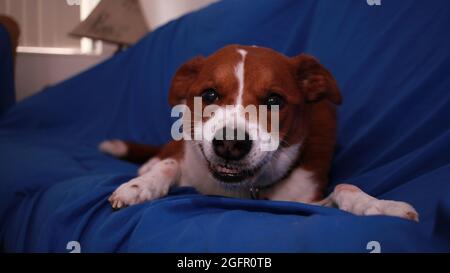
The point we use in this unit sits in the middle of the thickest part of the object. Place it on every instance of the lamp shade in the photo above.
(118, 21)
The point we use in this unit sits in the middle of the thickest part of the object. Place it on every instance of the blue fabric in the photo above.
(391, 61)
(7, 91)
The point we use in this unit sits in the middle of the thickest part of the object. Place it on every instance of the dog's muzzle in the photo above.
(234, 147)
(231, 145)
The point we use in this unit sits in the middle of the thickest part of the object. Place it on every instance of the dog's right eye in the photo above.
(210, 96)
(274, 100)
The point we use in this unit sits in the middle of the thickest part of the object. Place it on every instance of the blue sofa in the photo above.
(7, 90)
(392, 63)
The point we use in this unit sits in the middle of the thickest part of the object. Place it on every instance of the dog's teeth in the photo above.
(224, 170)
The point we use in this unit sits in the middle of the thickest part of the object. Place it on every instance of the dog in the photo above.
(305, 96)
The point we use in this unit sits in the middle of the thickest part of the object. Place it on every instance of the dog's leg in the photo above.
(116, 148)
(148, 166)
(352, 199)
(152, 185)
(130, 151)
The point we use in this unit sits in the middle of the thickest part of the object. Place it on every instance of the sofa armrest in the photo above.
(14, 31)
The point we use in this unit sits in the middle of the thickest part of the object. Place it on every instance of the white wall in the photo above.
(36, 71)
(159, 12)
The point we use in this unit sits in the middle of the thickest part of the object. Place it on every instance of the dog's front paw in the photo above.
(352, 199)
(391, 208)
(152, 185)
(137, 191)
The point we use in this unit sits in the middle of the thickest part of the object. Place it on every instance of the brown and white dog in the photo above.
(306, 96)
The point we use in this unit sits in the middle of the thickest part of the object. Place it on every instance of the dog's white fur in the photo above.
(152, 185)
(290, 189)
(240, 75)
(157, 176)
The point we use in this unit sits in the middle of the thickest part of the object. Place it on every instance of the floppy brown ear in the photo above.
(183, 79)
(315, 81)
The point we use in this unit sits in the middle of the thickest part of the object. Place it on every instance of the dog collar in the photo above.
(254, 192)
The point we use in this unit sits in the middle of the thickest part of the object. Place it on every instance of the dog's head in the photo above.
(237, 80)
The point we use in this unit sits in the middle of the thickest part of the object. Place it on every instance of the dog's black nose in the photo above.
(234, 149)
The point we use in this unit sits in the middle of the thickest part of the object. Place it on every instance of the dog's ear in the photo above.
(315, 81)
(183, 79)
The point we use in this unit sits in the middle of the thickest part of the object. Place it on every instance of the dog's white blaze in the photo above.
(255, 131)
(240, 75)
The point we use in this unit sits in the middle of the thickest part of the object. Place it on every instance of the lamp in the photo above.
(119, 22)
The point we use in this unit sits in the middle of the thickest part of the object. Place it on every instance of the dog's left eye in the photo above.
(210, 96)
(274, 100)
